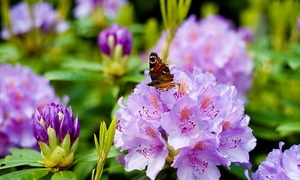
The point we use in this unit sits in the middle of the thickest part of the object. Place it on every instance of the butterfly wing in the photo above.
(160, 73)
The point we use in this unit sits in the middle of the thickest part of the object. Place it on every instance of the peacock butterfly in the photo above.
(160, 73)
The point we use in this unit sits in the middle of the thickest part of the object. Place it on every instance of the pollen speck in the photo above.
(199, 146)
(185, 113)
(150, 132)
(154, 101)
(226, 125)
(206, 101)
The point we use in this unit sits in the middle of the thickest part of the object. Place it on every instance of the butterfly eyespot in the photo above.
(166, 70)
(152, 60)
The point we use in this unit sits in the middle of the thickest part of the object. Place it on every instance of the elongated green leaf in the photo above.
(84, 65)
(288, 128)
(27, 174)
(61, 175)
(264, 133)
(135, 78)
(21, 157)
(164, 13)
(73, 75)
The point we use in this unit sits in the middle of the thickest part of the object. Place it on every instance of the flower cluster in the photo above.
(115, 43)
(110, 7)
(21, 91)
(280, 165)
(198, 125)
(57, 133)
(45, 18)
(213, 46)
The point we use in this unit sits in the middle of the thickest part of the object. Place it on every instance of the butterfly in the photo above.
(160, 73)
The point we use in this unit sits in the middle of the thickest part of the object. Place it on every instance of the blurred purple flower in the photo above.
(57, 131)
(202, 120)
(280, 165)
(45, 18)
(213, 46)
(115, 35)
(21, 92)
(110, 7)
(246, 34)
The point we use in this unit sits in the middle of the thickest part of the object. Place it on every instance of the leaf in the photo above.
(21, 157)
(135, 78)
(238, 170)
(265, 133)
(90, 156)
(288, 128)
(27, 174)
(9, 52)
(114, 152)
(61, 175)
(73, 75)
(81, 64)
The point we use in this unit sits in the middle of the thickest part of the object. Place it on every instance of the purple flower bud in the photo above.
(112, 36)
(75, 131)
(66, 125)
(58, 132)
(39, 131)
(58, 118)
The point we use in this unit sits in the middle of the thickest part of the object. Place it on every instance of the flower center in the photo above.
(150, 132)
(198, 164)
(186, 124)
(148, 150)
(226, 125)
(154, 101)
(230, 143)
(199, 146)
(149, 115)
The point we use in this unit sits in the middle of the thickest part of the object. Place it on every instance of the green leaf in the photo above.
(238, 171)
(114, 152)
(264, 133)
(27, 174)
(21, 157)
(90, 156)
(135, 78)
(9, 52)
(61, 175)
(73, 75)
(288, 128)
(81, 64)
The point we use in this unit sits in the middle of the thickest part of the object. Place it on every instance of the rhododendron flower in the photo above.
(213, 46)
(199, 124)
(110, 7)
(44, 18)
(280, 165)
(21, 92)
